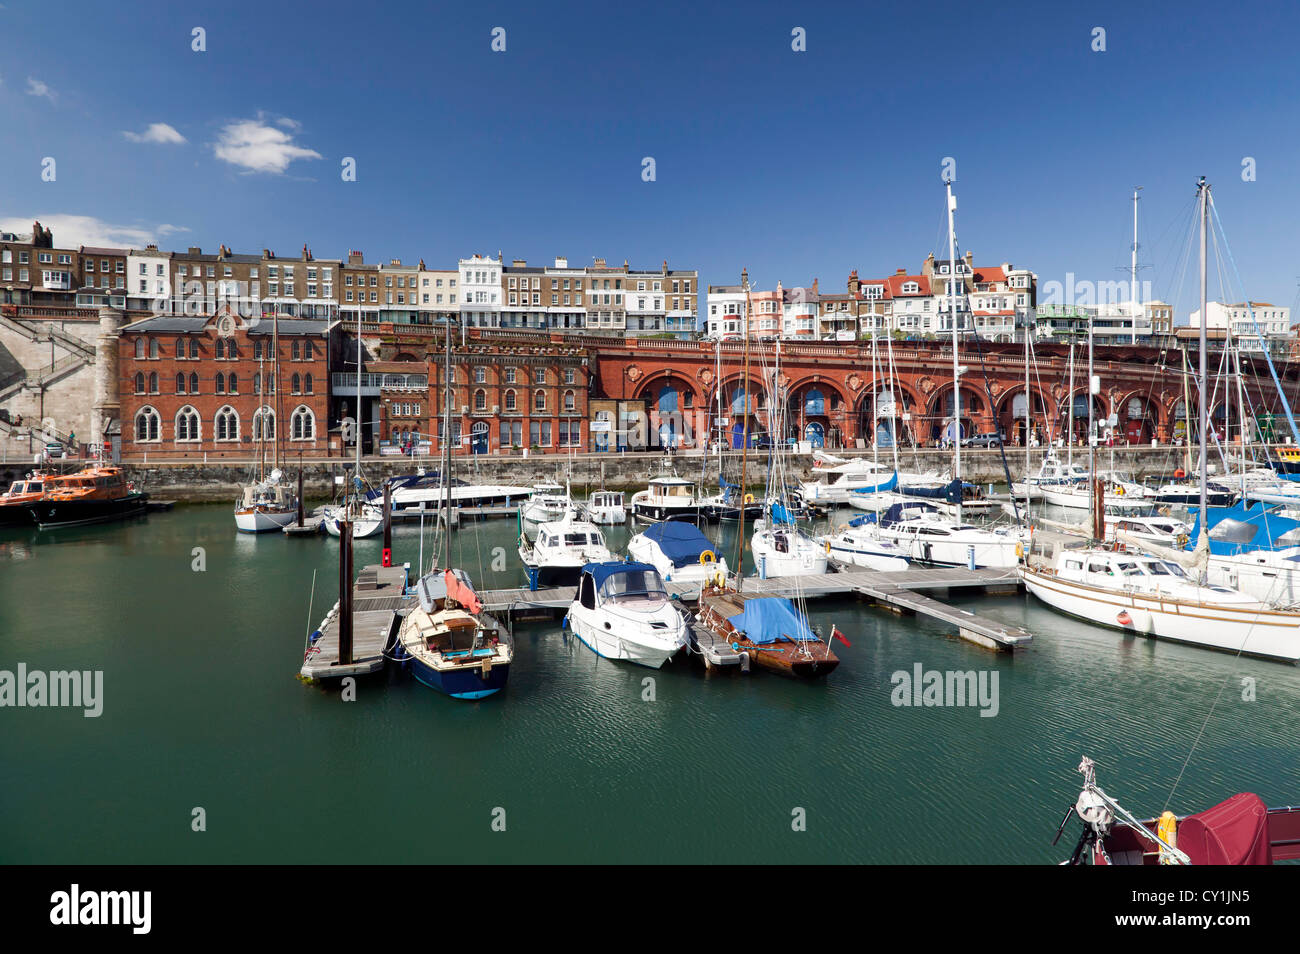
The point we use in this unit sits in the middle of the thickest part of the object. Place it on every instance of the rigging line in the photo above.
(1002, 450)
(1286, 405)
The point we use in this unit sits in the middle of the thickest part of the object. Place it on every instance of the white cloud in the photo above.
(258, 147)
(157, 133)
(36, 88)
(73, 230)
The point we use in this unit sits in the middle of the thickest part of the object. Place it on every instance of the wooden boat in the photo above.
(450, 644)
(98, 494)
(768, 629)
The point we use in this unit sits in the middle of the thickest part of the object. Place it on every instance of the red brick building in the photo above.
(194, 386)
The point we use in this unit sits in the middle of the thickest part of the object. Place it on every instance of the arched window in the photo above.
(226, 424)
(194, 383)
(264, 424)
(153, 382)
(187, 424)
(221, 349)
(480, 400)
(154, 350)
(232, 351)
(302, 426)
(139, 382)
(295, 384)
(146, 425)
(194, 348)
(570, 402)
(539, 400)
(814, 402)
(307, 384)
(180, 383)
(512, 402)
(180, 347)
(139, 347)
(220, 383)
(232, 383)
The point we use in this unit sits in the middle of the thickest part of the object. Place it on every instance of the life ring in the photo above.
(1119, 491)
(1180, 473)
(707, 557)
(749, 499)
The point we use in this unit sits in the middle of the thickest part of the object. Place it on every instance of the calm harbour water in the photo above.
(202, 709)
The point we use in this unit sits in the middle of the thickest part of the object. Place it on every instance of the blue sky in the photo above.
(794, 165)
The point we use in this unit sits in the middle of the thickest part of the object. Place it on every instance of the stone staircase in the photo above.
(62, 338)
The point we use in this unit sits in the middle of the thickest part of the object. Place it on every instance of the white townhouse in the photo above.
(480, 291)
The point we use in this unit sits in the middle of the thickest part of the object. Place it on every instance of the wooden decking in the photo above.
(377, 593)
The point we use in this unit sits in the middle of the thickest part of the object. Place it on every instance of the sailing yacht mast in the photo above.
(275, 383)
(356, 473)
(446, 450)
(1092, 445)
(956, 372)
(1203, 195)
(1029, 424)
(744, 443)
(1134, 265)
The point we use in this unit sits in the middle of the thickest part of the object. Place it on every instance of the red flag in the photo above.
(836, 634)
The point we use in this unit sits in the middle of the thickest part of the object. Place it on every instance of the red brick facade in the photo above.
(193, 388)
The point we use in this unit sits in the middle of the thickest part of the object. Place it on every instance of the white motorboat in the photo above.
(666, 498)
(413, 492)
(1051, 473)
(1155, 531)
(547, 503)
(606, 507)
(858, 544)
(1154, 597)
(622, 612)
(927, 536)
(840, 482)
(678, 551)
(561, 550)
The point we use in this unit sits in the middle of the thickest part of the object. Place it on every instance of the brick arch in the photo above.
(649, 391)
(1040, 412)
(1156, 415)
(976, 417)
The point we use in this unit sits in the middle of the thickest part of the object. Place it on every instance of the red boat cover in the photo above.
(1234, 832)
(462, 593)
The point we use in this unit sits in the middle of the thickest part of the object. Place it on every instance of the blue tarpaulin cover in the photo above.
(780, 514)
(769, 618)
(681, 542)
(1253, 527)
(603, 571)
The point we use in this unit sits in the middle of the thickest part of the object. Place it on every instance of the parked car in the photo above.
(983, 440)
(54, 451)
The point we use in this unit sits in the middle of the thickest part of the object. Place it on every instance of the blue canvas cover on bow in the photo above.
(680, 542)
(951, 492)
(1243, 528)
(769, 618)
(890, 484)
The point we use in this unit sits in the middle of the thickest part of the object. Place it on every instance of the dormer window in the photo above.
(911, 288)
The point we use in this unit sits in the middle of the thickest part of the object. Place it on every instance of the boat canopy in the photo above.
(951, 491)
(904, 511)
(780, 515)
(769, 618)
(1234, 832)
(679, 541)
(890, 484)
(615, 579)
(1244, 528)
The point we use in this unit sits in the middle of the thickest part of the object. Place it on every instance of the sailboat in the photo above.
(1156, 597)
(267, 503)
(355, 510)
(917, 525)
(449, 642)
(779, 546)
(772, 632)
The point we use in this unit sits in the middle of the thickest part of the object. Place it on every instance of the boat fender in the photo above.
(1020, 550)
(316, 635)
(749, 498)
(707, 557)
(1167, 829)
(828, 547)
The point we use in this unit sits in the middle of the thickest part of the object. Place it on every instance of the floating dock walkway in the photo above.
(378, 596)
